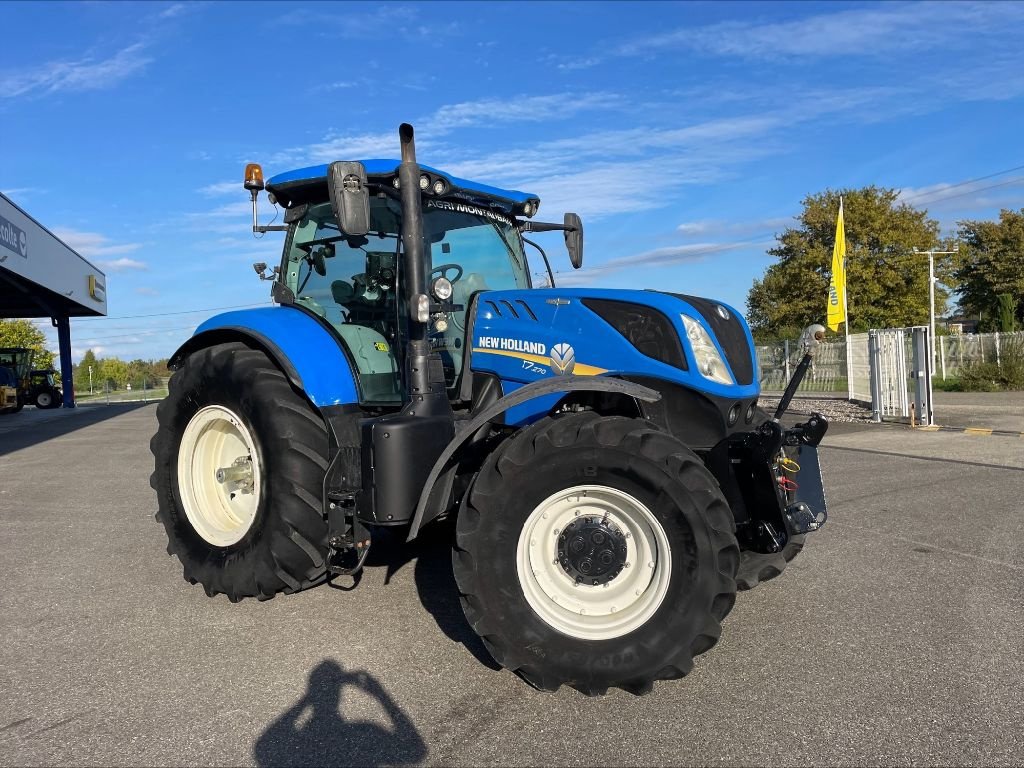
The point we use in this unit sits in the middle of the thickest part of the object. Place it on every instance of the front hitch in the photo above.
(778, 475)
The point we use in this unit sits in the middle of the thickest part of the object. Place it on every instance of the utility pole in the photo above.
(931, 295)
(90, 379)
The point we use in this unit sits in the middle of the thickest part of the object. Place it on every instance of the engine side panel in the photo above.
(308, 353)
(522, 336)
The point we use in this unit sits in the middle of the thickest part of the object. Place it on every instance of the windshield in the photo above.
(354, 283)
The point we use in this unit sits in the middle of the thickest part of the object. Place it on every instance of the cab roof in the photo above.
(304, 183)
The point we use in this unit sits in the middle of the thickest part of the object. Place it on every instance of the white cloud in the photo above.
(400, 21)
(173, 10)
(517, 109)
(447, 119)
(336, 86)
(221, 188)
(120, 265)
(80, 75)
(673, 255)
(723, 227)
(92, 244)
(877, 30)
(975, 194)
(22, 193)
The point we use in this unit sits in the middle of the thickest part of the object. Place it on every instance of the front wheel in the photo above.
(756, 567)
(240, 462)
(44, 399)
(596, 552)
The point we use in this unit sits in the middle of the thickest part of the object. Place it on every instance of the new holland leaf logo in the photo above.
(563, 359)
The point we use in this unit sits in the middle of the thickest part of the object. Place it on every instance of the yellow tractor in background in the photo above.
(9, 402)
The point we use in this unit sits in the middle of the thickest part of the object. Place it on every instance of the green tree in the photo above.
(1007, 312)
(24, 333)
(113, 372)
(990, 263)
(887, 283)
(82, 369)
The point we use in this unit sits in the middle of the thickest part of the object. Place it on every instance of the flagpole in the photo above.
(846, 288)
(846, 311)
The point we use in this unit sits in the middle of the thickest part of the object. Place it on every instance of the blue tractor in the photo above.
(611, 477)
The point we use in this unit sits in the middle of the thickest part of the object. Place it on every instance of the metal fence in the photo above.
(835, 371)
(828, 372)
(954, 352)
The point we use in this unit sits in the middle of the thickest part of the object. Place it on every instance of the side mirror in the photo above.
(350, 199)
(574, 239)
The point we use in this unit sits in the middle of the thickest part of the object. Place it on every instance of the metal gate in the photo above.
(899, 362)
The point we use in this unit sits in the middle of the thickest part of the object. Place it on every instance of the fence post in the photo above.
(785, 353)
(942, 355)
(921, 374)
(998, 361)
(875, 374)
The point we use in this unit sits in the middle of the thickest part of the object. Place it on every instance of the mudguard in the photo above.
(442, 475)
(308, 353)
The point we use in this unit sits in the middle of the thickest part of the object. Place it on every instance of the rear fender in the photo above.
(309, 355)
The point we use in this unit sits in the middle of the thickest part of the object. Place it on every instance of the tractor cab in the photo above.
(354, 283)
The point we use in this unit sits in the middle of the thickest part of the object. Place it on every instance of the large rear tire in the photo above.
(257, 527)
(530, 543)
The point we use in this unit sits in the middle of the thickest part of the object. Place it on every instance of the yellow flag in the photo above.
(837, 287)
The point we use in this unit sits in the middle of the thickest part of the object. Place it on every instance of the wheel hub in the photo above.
(219, 477)
(592, 550)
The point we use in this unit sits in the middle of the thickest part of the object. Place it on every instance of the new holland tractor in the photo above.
(610, 473)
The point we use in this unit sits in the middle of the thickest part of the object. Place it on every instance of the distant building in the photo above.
(960, 324)
(41, 276)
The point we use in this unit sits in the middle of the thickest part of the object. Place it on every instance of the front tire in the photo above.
(44, 399)
(240, 461)
(756, 567)
(596, 552)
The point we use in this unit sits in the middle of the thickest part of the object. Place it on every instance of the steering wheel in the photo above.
(442, 271)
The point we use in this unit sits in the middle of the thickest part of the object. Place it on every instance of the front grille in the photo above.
(647, 329)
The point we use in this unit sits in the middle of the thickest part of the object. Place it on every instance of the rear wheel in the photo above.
(596, 552)
(240, 461)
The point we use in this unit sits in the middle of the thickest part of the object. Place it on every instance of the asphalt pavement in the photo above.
(893, 639)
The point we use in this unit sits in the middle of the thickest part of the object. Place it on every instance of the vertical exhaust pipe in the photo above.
(424, 372)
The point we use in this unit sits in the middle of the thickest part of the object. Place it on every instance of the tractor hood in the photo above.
(705, 345)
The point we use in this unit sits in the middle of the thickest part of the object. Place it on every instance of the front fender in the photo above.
(308, 353)
(439, 482)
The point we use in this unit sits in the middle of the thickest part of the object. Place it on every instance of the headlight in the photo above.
(709, 362)
(422, 304)
(442, 289)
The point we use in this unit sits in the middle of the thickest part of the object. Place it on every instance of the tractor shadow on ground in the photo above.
(314, 732)
(30, 427)
(435, 582)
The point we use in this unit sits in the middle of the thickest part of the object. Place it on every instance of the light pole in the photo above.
(90, 379)
(931, 296)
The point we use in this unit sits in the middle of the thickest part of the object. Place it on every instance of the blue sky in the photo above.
(684, 134)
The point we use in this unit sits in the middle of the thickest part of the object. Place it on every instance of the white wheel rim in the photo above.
(220, 510)
(45, 399)
(594, 612)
